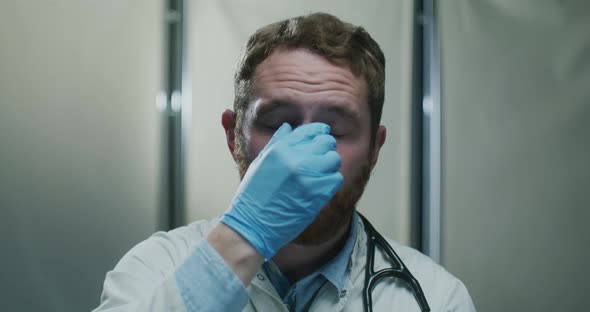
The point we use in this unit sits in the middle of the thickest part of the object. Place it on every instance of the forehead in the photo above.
(303, 78)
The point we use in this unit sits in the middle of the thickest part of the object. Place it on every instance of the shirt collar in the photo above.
(335, 270)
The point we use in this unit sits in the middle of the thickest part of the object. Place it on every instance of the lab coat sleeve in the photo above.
(212, 287)
(156, 275)
(459, 299)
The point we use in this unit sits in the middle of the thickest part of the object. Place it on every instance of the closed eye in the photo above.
(336, 135)
(269, 127)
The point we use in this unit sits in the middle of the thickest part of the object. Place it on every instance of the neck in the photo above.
(296, 261)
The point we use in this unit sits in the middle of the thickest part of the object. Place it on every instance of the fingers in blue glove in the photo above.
(281, 132)
(286, 186)
(318, 145)
(328, 163)
(307, 132)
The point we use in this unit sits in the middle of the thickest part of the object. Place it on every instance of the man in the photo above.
(305, 134)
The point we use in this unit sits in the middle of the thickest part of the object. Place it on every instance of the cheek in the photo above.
(255, 144)
(353, 158)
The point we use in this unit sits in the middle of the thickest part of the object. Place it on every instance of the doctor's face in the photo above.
(300, 87)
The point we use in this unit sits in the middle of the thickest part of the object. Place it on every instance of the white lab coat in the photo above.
(144, 280)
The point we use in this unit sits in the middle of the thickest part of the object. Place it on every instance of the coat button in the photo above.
(260, 276)
(343, 293)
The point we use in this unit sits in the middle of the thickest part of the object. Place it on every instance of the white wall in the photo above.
(78, 145)
(218, 30)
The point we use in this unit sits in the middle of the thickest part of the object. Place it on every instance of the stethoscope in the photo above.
(398, 269)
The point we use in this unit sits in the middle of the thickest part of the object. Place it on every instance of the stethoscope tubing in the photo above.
(398, 270)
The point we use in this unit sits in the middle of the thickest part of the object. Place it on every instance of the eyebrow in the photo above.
(339, 110)
(272, 106)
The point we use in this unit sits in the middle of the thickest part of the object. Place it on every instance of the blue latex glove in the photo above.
(285, 187)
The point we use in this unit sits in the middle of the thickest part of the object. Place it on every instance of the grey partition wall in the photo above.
(78, 145)
(516, 151)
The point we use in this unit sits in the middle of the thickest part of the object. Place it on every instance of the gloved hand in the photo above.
(285, 187)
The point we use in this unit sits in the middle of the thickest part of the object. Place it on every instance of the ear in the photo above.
(379, 140)
(228, 121)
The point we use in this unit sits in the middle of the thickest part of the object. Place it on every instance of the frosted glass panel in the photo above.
(78, 145)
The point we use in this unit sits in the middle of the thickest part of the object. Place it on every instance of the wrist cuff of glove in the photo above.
(250, 235)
